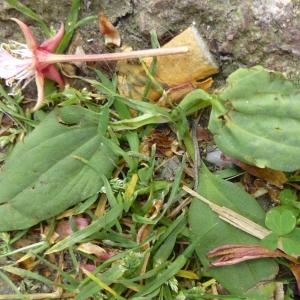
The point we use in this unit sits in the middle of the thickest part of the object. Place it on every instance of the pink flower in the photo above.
(28, 62)
(22, 63)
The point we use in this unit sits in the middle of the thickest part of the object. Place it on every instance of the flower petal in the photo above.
(52, 43)
(39, 79)
(51, 73)
(11, 66)
(30, 39)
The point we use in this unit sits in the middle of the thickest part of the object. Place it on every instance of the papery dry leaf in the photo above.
(178, 76)
(236, 253)
(232, 217)
(145, 229)
(203, 134)
(174, 94)
(277, 178)
(6, 121)
(63, 228)
(88, 267)
(155, 209)
(132, 79)
(26, 240)
(197, 64)
(258, 187)
(110, 33)
(79, 51)
(69, 69)
(98, 251)
(28, 263)
(295, 268)
(162, 138)
(143, 233)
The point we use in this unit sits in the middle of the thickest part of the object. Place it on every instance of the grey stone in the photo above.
(239, 32)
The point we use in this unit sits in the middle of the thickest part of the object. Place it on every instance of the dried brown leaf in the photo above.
(177, 75)
(295, 268)
(277, 178)
(88, 267)
(132, 80)
(107, 29)
(236, 253)
(91, 248)
(203, 134)
(175, 93)
(197, 64)
(64, 229)
(162, 138)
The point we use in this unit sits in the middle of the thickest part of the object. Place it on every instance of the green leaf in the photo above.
(291, 242)
(7, 280)
(289, 198)
(270, 241)
(256, 119)
(26, 273)
(280, 220)
(59, 164)
(139, 121)
(169, 272)
(214, 232)
(23, 9)
(69, 27)
(193, 102)
(264, 291)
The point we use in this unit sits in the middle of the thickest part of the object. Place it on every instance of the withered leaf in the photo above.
(277, 178)
(107, 29)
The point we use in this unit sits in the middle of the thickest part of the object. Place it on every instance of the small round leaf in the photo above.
(270, 241)
(280, 220)
(287, 197)
(291, 242)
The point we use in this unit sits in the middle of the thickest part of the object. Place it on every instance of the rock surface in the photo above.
(239, 33)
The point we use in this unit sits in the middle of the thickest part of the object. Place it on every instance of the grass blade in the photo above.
(23, 9)
(11, 284)
(25, 273)
(103, 285)
(106, 221)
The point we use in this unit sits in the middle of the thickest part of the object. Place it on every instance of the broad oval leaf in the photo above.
(237, 279)
(256, 119)
(58, 165)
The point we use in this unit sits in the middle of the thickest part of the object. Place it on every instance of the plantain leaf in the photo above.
(256, 119)
(59, 164)
(214, 232)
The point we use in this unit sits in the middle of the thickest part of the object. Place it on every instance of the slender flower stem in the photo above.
(38, 60)
(59, 58)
